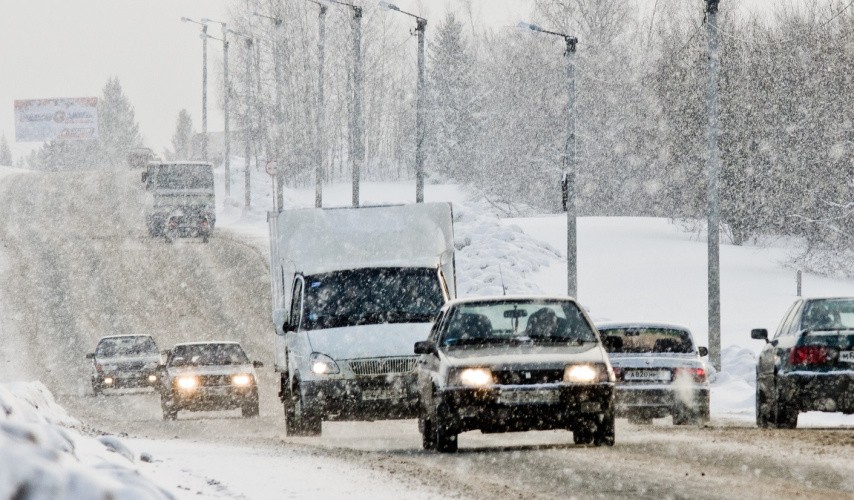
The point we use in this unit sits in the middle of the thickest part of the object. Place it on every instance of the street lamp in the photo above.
(321, 107)
(247, 133)
(569, 165)
(356, 120)
(279, 113)
(226, 98)
(420, 26)
(204, 84)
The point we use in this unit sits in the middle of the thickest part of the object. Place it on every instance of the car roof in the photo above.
(211, 342)
(125, 336)
(507, 298)
(609, 325)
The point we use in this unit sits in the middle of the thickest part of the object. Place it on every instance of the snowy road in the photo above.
(76, 264)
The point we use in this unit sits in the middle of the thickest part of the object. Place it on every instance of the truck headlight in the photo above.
(321, 364)
(472, 377)
(188, 383)
(585, 374)
(241, 380)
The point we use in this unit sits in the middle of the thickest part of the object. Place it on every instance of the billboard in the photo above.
(72, 119)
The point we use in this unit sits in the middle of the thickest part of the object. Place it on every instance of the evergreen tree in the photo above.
(117, 127)
(5, 152)
(183, 137)
(452, 97)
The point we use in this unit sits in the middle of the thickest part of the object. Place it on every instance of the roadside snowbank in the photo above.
(43, 456)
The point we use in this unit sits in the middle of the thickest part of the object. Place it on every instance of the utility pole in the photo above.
(358, 121)
(226, 104)
(321, 110)
(280, 115)
(569, 171)
(421, 25)
(248, 125)
(713, 167)
(205, 92)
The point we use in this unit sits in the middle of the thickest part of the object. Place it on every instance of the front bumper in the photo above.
(215, 397)
(125, 380)
(659, 400)
(819, 391)
(527, 407)
(363, 398)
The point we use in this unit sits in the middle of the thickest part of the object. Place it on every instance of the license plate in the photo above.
(846, 356)
(649, 375)
(379, 394)
(522, 397)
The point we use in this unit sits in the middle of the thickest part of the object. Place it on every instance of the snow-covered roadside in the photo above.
(43, 455)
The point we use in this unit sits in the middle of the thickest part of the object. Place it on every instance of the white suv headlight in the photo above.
(321, 364)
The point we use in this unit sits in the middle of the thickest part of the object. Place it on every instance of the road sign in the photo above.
(272, 168)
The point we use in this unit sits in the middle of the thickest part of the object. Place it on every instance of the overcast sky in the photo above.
(68, 48)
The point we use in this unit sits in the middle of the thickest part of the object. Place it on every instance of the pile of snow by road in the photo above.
(42, 455)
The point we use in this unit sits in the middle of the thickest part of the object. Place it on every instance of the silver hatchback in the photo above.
(659, 372)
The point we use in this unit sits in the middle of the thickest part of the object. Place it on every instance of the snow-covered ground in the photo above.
(629, 269)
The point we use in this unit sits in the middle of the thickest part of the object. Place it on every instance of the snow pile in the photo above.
(733, 389)
(42, 456)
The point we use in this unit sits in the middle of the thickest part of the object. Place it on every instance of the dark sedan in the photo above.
(808, 365)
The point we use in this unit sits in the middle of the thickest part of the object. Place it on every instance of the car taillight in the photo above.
(98, 368)
(695, 374)
(618, 372)
(205, 223)
(809, 355)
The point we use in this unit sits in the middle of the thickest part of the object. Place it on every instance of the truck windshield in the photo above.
(371, 296)
(185, 177)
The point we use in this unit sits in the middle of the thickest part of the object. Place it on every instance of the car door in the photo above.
(428, 364)
(769, 358)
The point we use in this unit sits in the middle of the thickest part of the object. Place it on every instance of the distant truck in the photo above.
(182, 200)
(353, 289)
(140, 157)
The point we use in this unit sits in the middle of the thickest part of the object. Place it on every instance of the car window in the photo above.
(126, 346)
(828, 314)
(646, 340)
(434, 331)
(787, 320)
(296, 303)
(208, 355)
(537, 321)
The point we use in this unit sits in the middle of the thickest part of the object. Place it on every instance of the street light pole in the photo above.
(321, 108)
(247, 135)
(713, 166)
(569, 160)
(279, 111)
(204, 37)
(420, 27)
(226, 83)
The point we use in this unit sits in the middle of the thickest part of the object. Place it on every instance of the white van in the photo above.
(353, 289)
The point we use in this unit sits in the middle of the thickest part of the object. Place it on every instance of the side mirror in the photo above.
(257, 364)
(425, 347)
(759, 334)
(161, 367)
(280, 320)
(90, 355)
(703, 350)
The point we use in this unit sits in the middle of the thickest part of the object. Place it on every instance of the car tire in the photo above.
(446, 438)
(582, 436)
(786, 415)
(170, 412)
(97, 390)
(764, 418)
(428, 434)
(697, 415)
(250, 410)
(300, 420)
(605, 430)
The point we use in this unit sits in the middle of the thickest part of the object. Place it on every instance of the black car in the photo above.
(124, 362)
(201, 376)
(809, 363)
(514, 364)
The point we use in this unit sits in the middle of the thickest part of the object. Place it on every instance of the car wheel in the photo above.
(786, 415)
(686, 415)
(305, 421)
(605, 434)
(170, 412)
(97, 390)
(446, 438)
(582, 436)
(428, 434)
(763, 410)
(250, 409)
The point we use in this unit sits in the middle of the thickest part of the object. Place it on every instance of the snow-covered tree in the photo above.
(5, 152)
(182, 139)
(117, 127)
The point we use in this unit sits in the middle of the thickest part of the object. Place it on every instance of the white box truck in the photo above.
(353, 289)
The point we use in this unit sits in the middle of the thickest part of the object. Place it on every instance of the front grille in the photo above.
(382, 366)
(214, 380)
(132, 366)
(528, 377)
